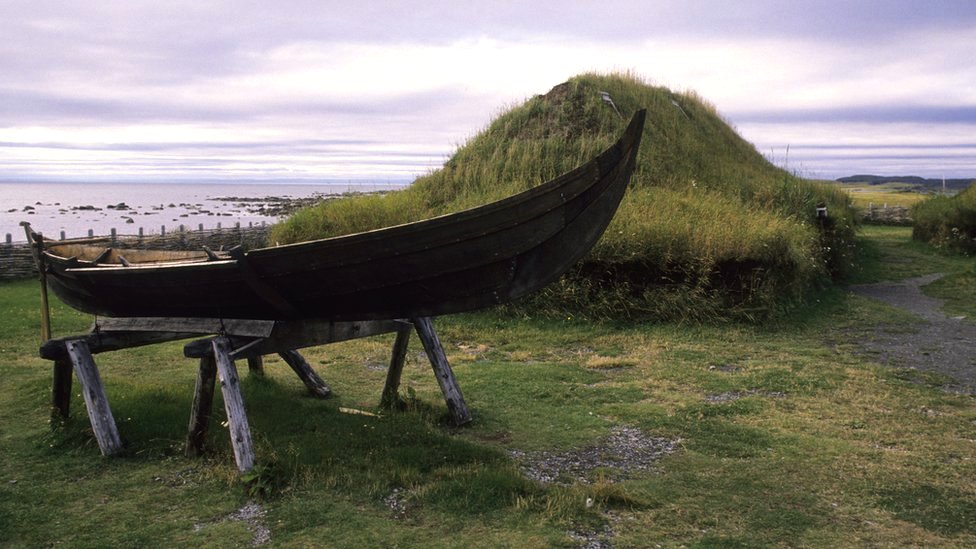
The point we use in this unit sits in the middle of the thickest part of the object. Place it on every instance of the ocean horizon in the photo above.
(72, 209)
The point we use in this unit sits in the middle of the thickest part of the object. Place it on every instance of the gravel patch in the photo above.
(730, 396)
(396, 502)
(252, 514)
(938, 344)
(593, 540)
(626, 451)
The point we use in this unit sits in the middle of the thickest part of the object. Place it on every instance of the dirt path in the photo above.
(939, 344)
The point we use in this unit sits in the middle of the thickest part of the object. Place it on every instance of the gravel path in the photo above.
(939, 344)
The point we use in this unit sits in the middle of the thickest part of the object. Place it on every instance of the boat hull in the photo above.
(454, 263)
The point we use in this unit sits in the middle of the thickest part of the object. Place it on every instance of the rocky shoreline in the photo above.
(213, 211)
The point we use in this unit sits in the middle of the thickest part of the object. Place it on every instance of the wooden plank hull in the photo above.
(463, 261)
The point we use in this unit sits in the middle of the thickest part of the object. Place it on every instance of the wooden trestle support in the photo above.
(234, 339)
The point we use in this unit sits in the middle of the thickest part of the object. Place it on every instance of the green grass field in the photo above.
(784, 434)
(891, 194)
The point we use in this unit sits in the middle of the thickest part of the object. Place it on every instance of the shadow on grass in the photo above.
(301, 441)
(938, 509)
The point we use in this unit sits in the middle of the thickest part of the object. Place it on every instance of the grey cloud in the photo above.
(872, 114)
(34, 107)
(150, 47)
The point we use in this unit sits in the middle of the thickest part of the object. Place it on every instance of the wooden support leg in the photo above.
(445, 376)
(255, 365)
(230, 387)
(391, 395)
(60, 391)
(202, 406)
(305, 372)
(96, 401)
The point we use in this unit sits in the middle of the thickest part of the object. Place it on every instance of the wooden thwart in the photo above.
(247, 339)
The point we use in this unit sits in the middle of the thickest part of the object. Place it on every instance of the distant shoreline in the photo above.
(955, 183)
(74, 210)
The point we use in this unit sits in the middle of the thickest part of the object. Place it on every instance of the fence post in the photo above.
(10, 239)
(91, 233)
(62, 235)
(162, 231)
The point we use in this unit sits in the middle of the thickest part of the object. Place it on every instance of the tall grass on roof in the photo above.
(709, 229)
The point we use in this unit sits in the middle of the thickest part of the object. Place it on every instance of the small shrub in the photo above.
(947, 222)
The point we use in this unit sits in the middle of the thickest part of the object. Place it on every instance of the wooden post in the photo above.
(45, 307)
(391, 396)
(60, 391)
(255, 365)
(230, 387)
(202, 407)
(61, 372)
(106, 433)
(305, 372)
(36, 241)
(442, 370)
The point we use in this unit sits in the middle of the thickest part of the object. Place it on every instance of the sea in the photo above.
(72, 210)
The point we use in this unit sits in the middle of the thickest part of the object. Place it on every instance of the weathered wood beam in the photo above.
(442, 370)
(202, 408)
(96, 401)
(291, 335)
(312, 381)
(202, 347)
(230, 387)
(391, 396)
(109, 341)
(198, 326)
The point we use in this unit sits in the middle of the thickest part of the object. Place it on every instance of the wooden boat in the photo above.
(457, 262)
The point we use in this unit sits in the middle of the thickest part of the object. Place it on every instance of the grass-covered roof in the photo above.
(709, 228)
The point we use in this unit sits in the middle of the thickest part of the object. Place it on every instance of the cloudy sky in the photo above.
(384, 90)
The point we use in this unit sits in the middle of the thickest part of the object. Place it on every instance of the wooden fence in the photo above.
(16, 262)
(886, 215)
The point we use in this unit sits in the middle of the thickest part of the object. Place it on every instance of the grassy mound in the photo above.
(947, 222)
(709, 229)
